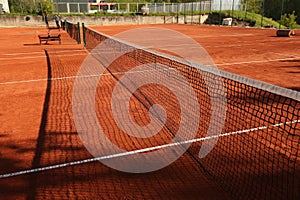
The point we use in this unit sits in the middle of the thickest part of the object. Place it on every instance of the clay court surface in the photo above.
(37, 127)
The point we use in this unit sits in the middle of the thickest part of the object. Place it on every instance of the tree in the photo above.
(31, 6)
(273, 8)
(255, 6)
(46, 7)
(23, 6)
(289, 20)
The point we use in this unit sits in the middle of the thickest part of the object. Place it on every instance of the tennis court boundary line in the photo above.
(70, 77)
(36, 57)
(128, 153)
(39, 52)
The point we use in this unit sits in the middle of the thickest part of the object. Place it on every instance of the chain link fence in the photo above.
(201, 6)
(245, 12)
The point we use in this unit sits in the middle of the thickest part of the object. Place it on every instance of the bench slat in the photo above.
(47, 38)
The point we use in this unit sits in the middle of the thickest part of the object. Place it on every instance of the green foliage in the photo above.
(23, 6)
(32, 7)
(275, 8)
(47, 7)
(257, 19)
(272, 8)
(254, 6)
(94, 7)
(253, 18)
(289, 20)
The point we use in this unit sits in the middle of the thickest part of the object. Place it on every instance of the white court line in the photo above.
(127, 153)
(72, 77)
(284, 54)
(21, 58)
(225, 35)
(257, 61)
(39, 52)
(103, 52)
(49, 79)
(23, 53)
(239, 44)
(35, 57)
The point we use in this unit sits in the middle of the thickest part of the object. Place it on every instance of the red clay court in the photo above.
(258, 159)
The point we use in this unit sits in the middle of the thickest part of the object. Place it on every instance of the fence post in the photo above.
(79, 39)
(232, 11)
(63, 25)
(83, 35)
(246, 10)
(282, 5)
(66, 25)
(184, 13)
(220, 22)
(177, 17)
(262, 13)
(68, 7)
(192, 13)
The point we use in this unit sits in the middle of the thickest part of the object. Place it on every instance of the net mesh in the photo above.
(73, 30)
(257, 153)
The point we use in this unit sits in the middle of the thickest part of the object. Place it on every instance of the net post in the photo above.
(79, 39)
(66, 27)
(83, 35)
(65, 24)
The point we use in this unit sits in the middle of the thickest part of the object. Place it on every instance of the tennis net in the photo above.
(73, 30)
(256, 155)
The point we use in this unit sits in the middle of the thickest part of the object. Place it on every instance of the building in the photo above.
(101, 5)
(71, 6)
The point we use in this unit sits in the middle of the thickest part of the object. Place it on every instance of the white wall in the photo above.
(19, 21)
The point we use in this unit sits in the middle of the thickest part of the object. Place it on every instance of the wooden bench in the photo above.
(47, 38)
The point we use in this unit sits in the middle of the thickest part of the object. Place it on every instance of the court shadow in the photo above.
(11, 187)
(33, 44)
(295, 88)
(41, 137)
(298, 60)
(294, 72)
(2, 135)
